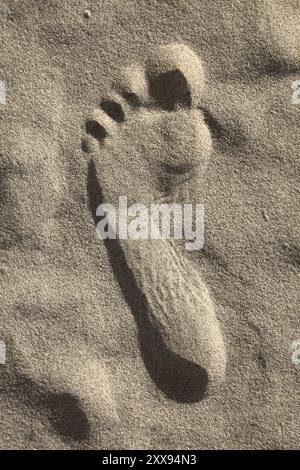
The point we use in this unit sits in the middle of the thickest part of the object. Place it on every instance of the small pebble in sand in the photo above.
(87, 13)
(265, 215)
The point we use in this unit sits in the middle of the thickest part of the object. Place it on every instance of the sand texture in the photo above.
(144, 344)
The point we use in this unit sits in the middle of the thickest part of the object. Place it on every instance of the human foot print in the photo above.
(147, 141)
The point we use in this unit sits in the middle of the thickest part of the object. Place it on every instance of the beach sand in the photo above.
(142, 344)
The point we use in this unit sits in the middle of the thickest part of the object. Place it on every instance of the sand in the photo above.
(139, 344)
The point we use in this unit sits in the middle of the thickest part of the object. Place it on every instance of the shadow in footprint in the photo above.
(229, 134)
(63, 410)
(170, 89)
(113, 110)
(291, 253)
(179, 379)
(67, 416)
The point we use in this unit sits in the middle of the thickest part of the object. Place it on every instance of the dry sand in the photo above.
(142, 344)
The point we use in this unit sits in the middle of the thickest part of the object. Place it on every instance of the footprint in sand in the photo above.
(147, 141)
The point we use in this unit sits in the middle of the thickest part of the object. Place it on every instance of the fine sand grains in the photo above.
(123, 345)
